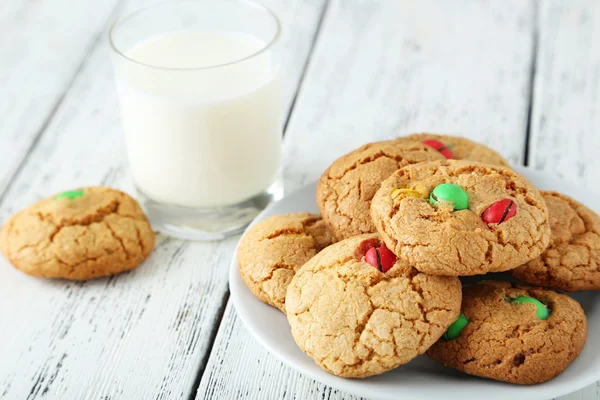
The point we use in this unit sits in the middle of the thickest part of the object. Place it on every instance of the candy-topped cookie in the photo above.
(273, 250)
(512, 333)
(79, 234)
(358, 311)
(461, 218)
(346, 188)
(572, 261)
(458, 148)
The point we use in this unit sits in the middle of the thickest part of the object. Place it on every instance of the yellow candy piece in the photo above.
(405, 193)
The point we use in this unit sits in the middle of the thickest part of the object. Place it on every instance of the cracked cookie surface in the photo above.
(506, 341)
(79, 235)
(273, 250)
(345, 189)
(572, 261)
(440, 241)
(355, 321)
(462, 148)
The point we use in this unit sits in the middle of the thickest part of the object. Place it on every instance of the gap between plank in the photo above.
(306, 64)
(211, 341)
(532, 76)
(37, 137)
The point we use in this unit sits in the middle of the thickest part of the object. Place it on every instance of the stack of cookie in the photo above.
(374, 281)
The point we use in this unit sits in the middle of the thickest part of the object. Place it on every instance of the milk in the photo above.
(200, 133)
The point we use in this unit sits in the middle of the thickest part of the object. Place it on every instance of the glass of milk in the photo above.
(199, 91)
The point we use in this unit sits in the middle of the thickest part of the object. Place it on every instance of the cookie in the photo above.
(572, 261)
(273, 250)
(461, 218)
(346, 188)
(357, 311)
(78, 235)
(458, 148)
(511, 333)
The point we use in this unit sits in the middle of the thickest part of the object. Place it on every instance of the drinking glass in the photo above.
(199, 92)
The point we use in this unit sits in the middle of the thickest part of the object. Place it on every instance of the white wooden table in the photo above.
(520, 75)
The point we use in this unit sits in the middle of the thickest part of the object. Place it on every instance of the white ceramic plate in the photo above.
(422, 378)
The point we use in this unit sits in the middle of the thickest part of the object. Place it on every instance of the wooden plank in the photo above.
(565, 120)
(381, 69)
(248, 371)
(143, 334)
(43, 46)
(566, 110)
(394, 67)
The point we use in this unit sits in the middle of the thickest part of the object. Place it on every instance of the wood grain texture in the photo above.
(140, 335)
(565, 120)
(240, 368)
(566, 111)
(387, 68)
(44, 43)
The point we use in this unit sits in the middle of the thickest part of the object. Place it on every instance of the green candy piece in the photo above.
(451, 193)
(72, 195)
(542, 311)
(456, 328)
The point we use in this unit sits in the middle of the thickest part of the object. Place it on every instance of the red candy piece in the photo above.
(387, 258)
(499, 212)
(381, 258)
(439, 146)
(372, 257)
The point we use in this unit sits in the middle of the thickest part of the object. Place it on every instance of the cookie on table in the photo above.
(511, 333)
(461, 218)
(346, 188)
(357, 311)
(273, 250)
(572, 261)
(458, 148)
(78, 235)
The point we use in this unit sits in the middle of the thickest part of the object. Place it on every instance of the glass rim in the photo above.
(122, 20)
